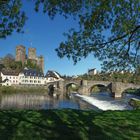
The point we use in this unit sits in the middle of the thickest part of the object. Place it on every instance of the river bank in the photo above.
(69, 124)
(12, 89)
(133, 91)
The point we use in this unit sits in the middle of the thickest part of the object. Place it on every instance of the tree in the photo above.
(120, 19)
(1, 66)
(108, 29)
(16, 65)
(8, 60)
(32, 65)
(11, 17)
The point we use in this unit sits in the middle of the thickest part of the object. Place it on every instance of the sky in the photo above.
(45, 35)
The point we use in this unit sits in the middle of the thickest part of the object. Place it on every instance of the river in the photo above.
(100, 101)
(40, 101)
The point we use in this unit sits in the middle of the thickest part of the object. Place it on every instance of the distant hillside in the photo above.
(8, 63)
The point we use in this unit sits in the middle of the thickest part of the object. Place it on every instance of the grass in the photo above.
(69, 125)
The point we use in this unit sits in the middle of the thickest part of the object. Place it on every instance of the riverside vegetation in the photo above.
(135, 103)
(126, 77)
(11, 89)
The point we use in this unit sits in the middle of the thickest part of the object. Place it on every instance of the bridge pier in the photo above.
(84, 88)
(62, 88)
(116, 89)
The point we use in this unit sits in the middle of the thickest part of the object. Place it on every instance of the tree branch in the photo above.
(121, 37)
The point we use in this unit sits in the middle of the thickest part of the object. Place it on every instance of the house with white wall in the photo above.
(28, 77)
(9, 77)
(92, 71)
(52, 76)
(31, 77)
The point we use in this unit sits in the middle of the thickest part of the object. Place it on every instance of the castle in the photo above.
(21, 56)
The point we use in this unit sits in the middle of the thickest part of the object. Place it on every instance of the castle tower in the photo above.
(20, 54)
(32, 53)
(40, 62)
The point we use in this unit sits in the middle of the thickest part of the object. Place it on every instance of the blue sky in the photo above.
(45, 35)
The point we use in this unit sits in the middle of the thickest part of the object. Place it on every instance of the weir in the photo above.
(105, 104)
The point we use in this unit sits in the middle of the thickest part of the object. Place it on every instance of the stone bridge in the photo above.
(85, 86)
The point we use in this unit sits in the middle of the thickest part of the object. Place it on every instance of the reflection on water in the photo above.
(102, 101)
(39, 101)
(23, 101)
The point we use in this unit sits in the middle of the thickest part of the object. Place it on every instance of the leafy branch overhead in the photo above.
(108, 29)
(11, 17)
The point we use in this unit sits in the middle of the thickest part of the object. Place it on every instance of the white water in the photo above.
(105, 104)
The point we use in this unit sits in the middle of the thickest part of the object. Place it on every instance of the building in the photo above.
(9, 77)
(92, 71)
(52, 76)
(31, 77)
(32, 53)
(20, 54)
(40, 63)
(27, 77)
(32, 57)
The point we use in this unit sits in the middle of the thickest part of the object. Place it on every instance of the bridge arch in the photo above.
(71, 87)
(52, 87)
(99, 88)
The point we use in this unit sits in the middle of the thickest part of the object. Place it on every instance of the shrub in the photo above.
(135, 103)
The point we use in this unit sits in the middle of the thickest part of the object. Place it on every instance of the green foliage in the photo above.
(99, 88)
(110, 30)
(69, 124)
(9, 62)
(11, 17)
(1, 66)
(125, 77)
(119, 20)
(72, 88)
(132, 91)
(62, 7)
(135, 103)
(11, 90)
(32, 65)
(95, 89)
(18, 65)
